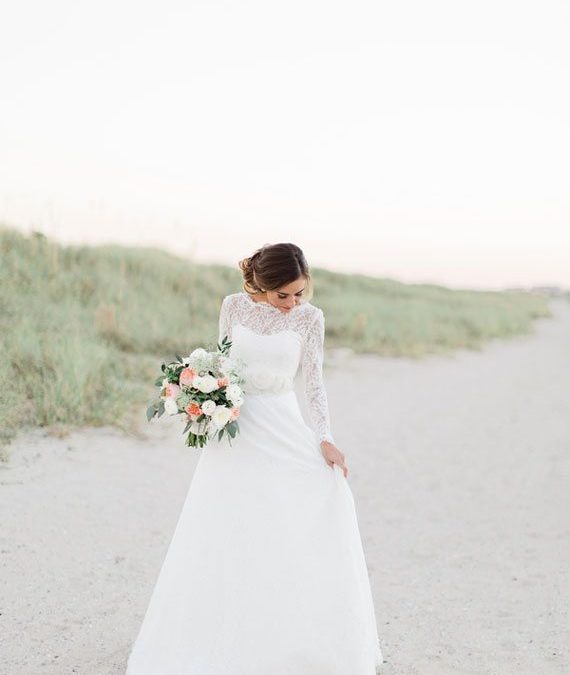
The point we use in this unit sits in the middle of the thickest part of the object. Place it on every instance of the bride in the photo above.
(265, 573)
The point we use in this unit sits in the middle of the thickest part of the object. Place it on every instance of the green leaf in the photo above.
(150, 411)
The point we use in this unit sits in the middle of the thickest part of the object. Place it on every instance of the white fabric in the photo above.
(265, 573)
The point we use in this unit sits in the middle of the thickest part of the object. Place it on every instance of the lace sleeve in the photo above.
(312, 369)
(225, 323)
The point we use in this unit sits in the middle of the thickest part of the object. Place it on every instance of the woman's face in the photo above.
(287, 297)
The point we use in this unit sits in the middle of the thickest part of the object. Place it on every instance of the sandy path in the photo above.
(462, 485)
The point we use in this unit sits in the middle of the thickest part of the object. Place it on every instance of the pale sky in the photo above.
(424, 141)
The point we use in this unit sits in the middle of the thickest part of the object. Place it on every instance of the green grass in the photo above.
(83, 329)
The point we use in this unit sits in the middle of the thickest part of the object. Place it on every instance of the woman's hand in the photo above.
(333, 456)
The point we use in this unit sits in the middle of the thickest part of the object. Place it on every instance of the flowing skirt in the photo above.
(265, 573)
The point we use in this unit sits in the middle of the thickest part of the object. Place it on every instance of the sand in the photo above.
(461, 478)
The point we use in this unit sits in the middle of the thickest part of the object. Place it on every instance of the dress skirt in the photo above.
(265, 573)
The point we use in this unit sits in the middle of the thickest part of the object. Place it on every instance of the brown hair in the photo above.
(273, 266)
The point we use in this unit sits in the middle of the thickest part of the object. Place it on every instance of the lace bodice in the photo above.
(297, 337)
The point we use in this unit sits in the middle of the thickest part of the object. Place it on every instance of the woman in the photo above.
(265, 573)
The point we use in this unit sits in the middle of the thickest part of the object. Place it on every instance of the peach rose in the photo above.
(235, 413)
(186, 376)
(193, 410)
(223, 381)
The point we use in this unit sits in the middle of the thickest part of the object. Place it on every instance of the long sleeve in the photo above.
(225, 323)
(312, 369)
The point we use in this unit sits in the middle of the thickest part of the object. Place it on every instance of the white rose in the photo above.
(208, 407)
(206, 384)
(198, 353)
(234, 392)
(221, 416)
(170, 406)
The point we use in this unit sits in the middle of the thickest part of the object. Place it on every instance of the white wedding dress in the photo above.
(265, 573)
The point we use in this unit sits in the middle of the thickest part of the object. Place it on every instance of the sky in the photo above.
(427, 142)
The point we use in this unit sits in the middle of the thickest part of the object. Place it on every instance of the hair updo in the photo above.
(273, 266)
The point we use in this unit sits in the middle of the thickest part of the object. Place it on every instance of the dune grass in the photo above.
(84, 329)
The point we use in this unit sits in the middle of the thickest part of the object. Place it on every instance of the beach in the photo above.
(460, 470)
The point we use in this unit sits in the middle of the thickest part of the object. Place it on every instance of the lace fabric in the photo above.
(309, 323)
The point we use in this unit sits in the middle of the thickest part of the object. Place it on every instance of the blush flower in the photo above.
(171, 390)
(187, 376)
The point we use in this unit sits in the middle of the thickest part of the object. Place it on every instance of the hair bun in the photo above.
(272, 266)
(246, 266)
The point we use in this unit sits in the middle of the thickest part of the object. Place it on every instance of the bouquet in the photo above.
(206, 388)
